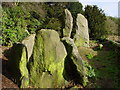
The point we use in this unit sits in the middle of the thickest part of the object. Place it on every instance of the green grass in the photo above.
(107, 68)
(89, 56)
(105, 65)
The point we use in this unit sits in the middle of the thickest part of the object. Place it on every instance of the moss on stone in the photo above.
(48, 60)
(68, 24)
(81, 42)
(24, 70)
(74, 67)
(18, 65)
(81, 37)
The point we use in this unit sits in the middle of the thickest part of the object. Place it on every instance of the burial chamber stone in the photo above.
(17, 64)
(81, 37)
(29, 43)
(74, 66)
(68, 24)
(47, 65)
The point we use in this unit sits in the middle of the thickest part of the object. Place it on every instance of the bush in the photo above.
(96, 22)
(13, 25)
(34, 22)
(89, 56)
(89, 70)
(17, 24)
(111, 26)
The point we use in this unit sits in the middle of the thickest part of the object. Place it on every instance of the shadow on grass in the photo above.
(107, 68)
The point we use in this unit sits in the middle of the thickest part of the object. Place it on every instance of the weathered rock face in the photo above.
(81, 37)
(74, 68)
(29, 43)
(46, 68)
(68, 24)
(18, 65)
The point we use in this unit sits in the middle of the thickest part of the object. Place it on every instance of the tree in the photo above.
(13, 25)
(18, 23)
(55, 16)
(112, 26)
(96, 22)
(119, 26)
(56, 13)
(75, 8)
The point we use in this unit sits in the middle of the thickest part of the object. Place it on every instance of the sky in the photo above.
(110, 7)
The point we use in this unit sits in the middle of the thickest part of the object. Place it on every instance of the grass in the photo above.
(89, 56)
(105, 65)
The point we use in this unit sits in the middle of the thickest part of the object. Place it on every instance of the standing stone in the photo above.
(81, 37)
(74, 67)
(46, 68)
(17, 64)
(68, 24)
(29, 43)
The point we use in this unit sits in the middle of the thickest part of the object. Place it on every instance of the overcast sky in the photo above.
(110, 7)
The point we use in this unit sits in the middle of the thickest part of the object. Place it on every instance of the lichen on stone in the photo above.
(48, 60)
(74, 66)
(18, 65)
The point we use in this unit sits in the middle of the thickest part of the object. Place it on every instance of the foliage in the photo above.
(13, 25)
(119, 26)
(89, 70)
(114, 19)
(100, 46)
(55, 16)
(96, 22)
(17, 24)
(89, 56)
(55, 9)
(112, 26)
(75, 8)
(54, 23)
(35, 23)
(26, 18)
(55, 13)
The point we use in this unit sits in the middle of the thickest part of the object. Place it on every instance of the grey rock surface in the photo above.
(81, 37)
(68, 24)
(29, 43)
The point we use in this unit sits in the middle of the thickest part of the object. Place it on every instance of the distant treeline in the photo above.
(19, 19)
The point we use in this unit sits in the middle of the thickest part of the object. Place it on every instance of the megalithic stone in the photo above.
(29, 43)
(74, 66)
(68, 24)
(46, 68)
(81, 37)
(17, 64)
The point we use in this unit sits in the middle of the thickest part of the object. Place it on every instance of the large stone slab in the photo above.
(29, 43)
(68, 24)
(81, 37)
(17, 64)
(74, 66)
(46, 68)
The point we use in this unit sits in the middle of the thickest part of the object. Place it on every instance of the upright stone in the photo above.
(29, 43)
(46, 68)
(81, 37)
(68, 24)
(74, 66)
(17, 64)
